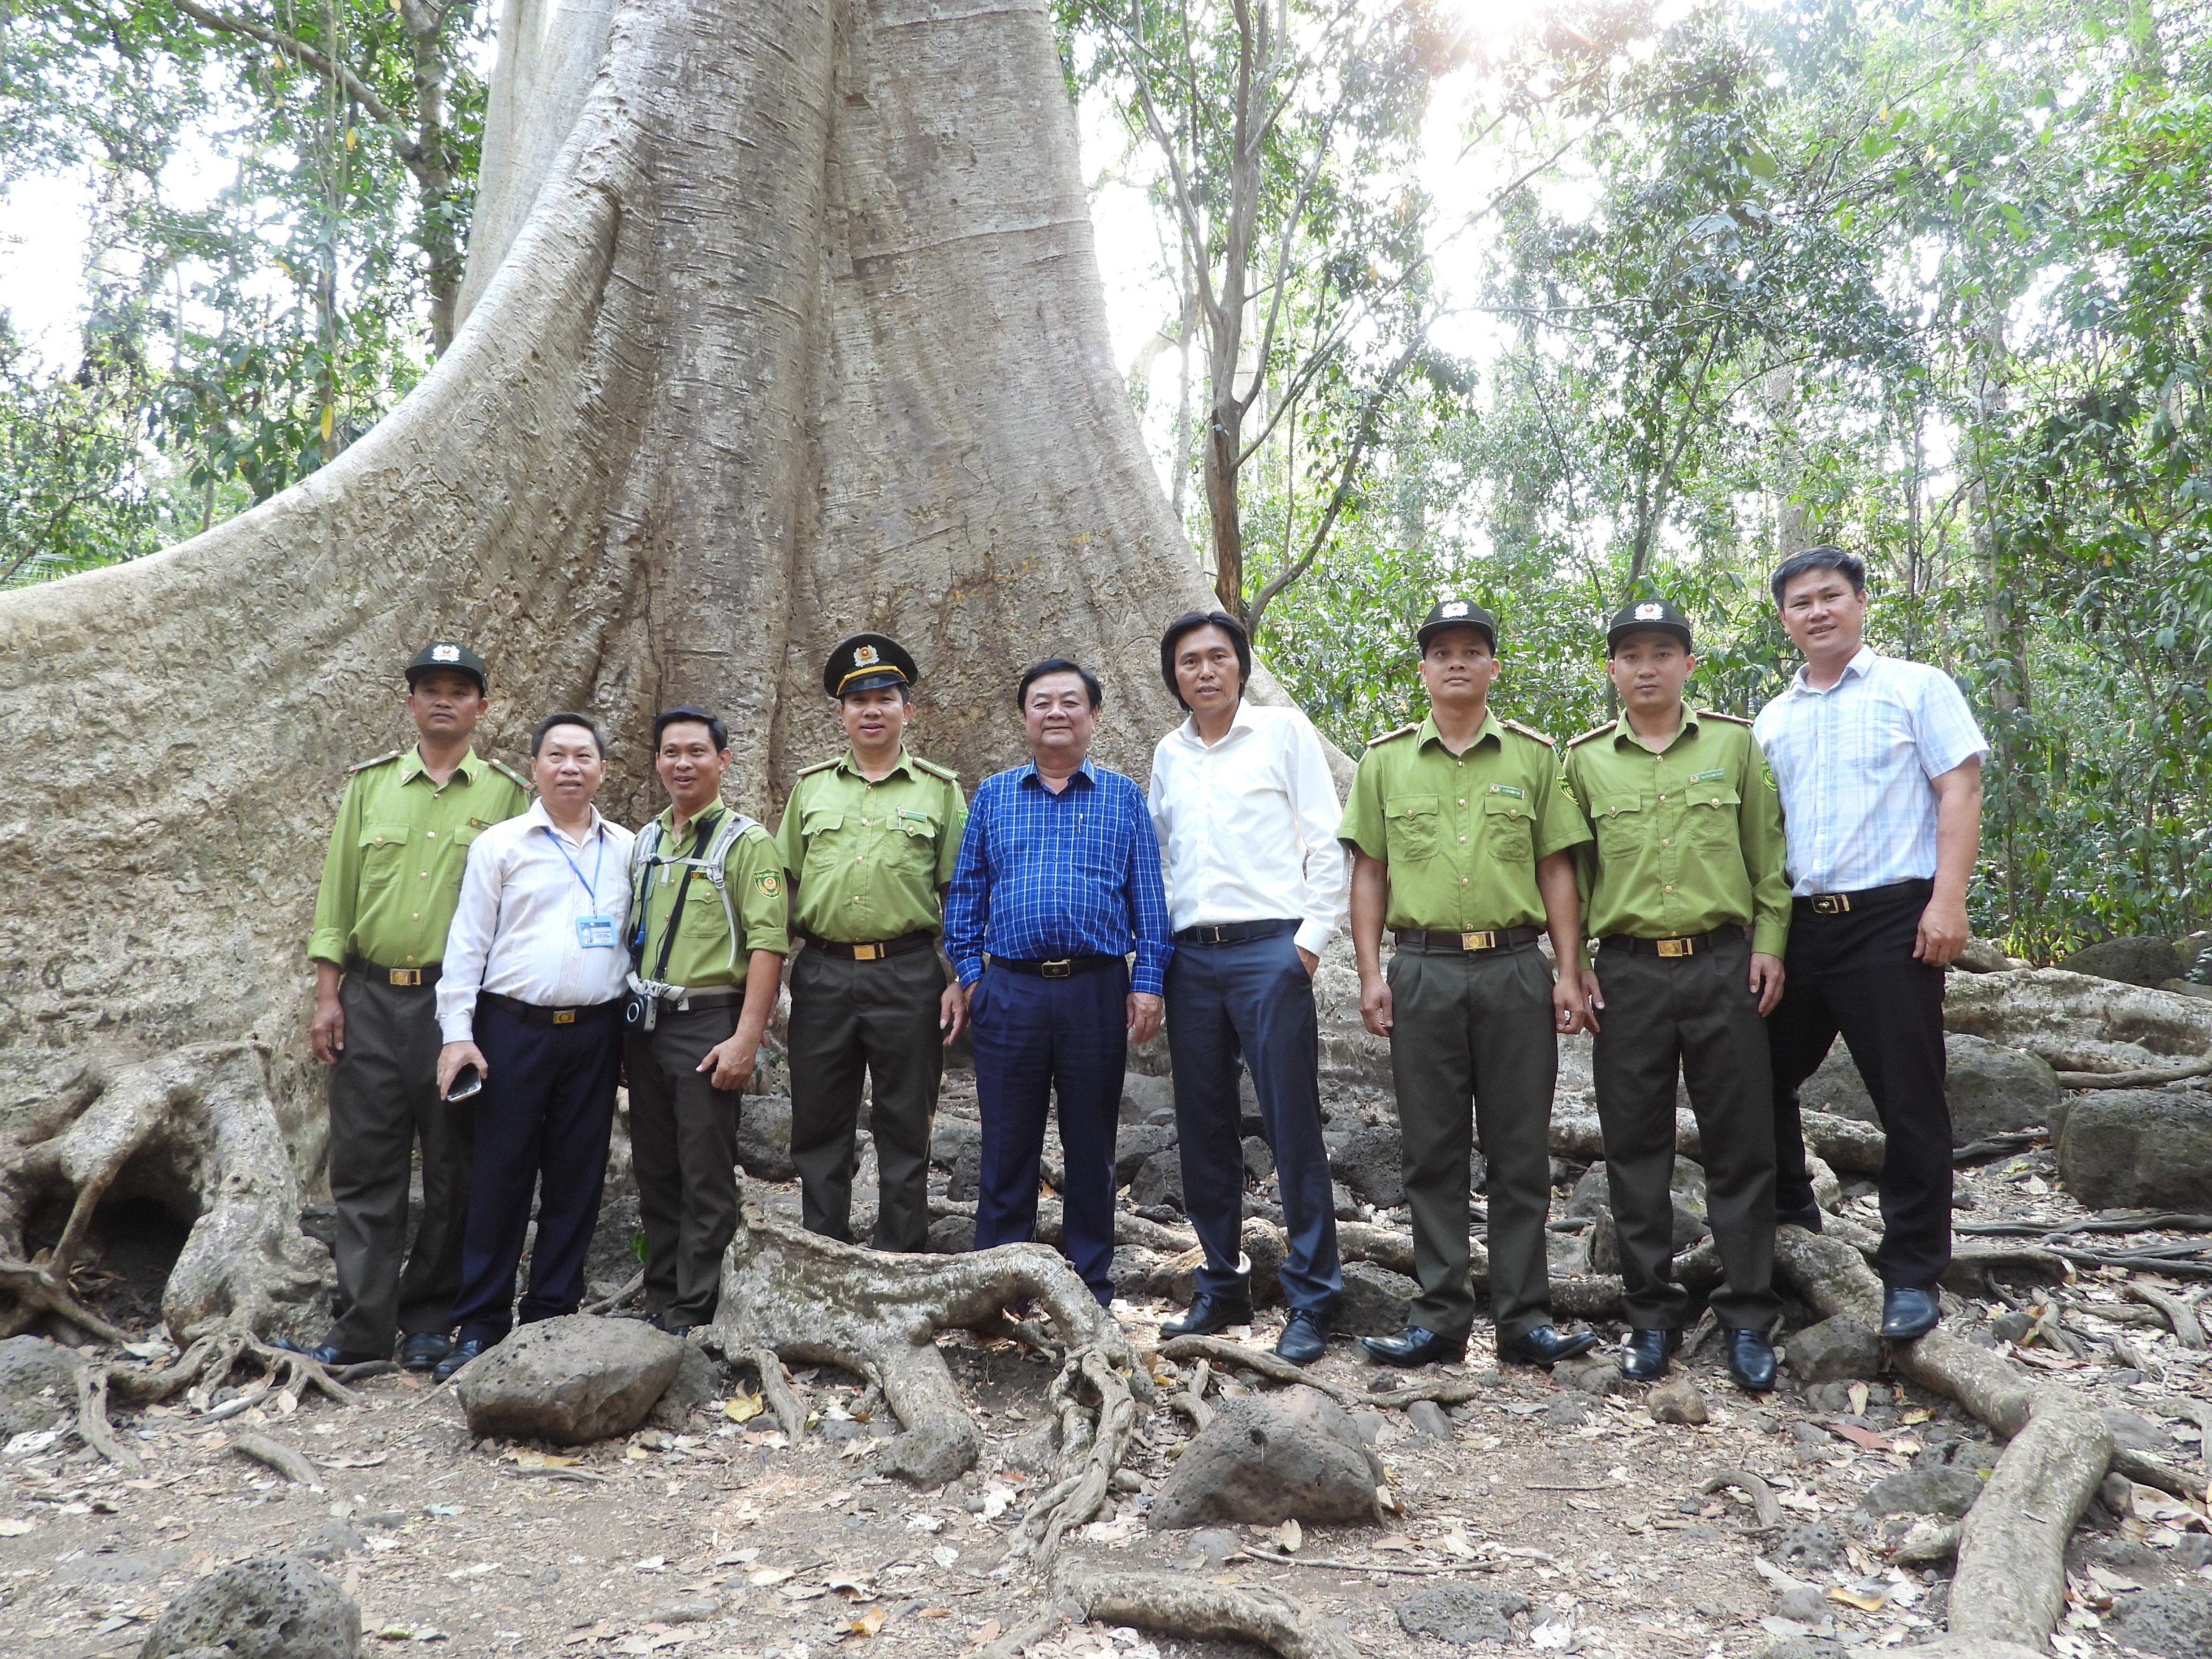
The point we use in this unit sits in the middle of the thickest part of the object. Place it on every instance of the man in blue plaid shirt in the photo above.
(1057, 885)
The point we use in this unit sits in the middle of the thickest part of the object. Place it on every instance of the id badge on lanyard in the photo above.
(595, 930)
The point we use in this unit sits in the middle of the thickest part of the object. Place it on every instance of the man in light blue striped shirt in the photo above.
(1879, 763)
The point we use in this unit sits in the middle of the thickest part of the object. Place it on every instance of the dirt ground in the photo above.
(723, 1542)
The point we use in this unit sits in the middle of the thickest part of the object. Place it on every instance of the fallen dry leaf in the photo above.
(743, 1407)
(535, 1459)
(988, 1634)
(1866, 1440)
(867, 1622)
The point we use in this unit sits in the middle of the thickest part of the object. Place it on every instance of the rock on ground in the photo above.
(2138, 1148)
(1135, 1142)
(694, 1383)
(1948, 1492)
(1992, 1090)
(2174, 1621)
(764, 1137)
(1677, 1402)
(1371, 1160)
(2132, 961)
(1374, 1302)
(1462, 1613)
(1267, 1459)
(273, 1607)
(38, 1384)
(1158, 1180)
(1836, 1350)
(1428, 1418)
(569, 1380)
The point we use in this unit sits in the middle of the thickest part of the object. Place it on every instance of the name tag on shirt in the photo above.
(596, 932)
(1715, 775)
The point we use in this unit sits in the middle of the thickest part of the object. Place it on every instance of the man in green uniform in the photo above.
(1461, 833)
(390, 882)
(706, 946)
(1688, 857)
(869, 840)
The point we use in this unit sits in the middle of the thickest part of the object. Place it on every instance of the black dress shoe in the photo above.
(1415, 1346)
(1908, 1311)
(1643, 1357)
(422, 1351)
(1544, 1346)
(463, 1352)
(1209, 1314)
(1305, 1339)
(1751, 1359)
(329, 1355)
(1808, 1218)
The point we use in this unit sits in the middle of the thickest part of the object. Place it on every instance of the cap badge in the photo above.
(445, 653)
(864, 656)
(1649, 612)
(1454, 608)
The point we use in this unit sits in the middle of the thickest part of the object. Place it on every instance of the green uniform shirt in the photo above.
(700, 953)
(871, 861)
(1689, 837)
(1461, 834)
(393, 872)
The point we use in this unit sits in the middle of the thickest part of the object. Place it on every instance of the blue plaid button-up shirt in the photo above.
(1073, 874)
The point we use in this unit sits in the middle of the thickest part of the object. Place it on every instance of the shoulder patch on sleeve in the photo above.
(513, 776)
(1386, 736)
(1544, 738)
(1716, 715)
(388, 756)
(1594, 731)
(936, 771)
(769, 883)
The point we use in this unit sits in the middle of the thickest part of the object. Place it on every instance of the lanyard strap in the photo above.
(591, 887)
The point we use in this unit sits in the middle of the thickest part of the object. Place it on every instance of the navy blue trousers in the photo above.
(1253, 999)
(1035, 1038)
(542, 1124)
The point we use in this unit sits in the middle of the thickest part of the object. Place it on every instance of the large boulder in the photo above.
(1992, 1090)
(1374, 1302)
(2134, 961)
(1371, 1160)
(273, 1607)
(2138, 1149)
(2173, 1620)
(764, 1137)
(1267, 1459)
(570, 1380)
(38, 1384)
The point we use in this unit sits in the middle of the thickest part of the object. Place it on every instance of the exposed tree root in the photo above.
(1766, 1508)
(2148, 1077)
(790, 1294)
(1030, 1631)
(609, 1304)
(1180, 1604)
(2178, 1314)
(92, 1424)
(274, 1453)
(2148, 1471)
(198, 1373)
(2011, 1582)
(1845, 1144)
(196, 1130)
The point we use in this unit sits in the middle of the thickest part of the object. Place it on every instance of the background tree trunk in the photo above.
(800, 332)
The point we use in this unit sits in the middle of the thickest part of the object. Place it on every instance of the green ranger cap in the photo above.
(867, 661)
(449, 654)
(1648, 616)
(1458, 613)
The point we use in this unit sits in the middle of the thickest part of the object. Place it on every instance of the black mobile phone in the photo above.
(467, 1081)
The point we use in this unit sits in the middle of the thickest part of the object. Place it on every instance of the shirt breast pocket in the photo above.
(1410, 828)
(1710, 816)
(1621, 822)
(383, 853)
(916, 841)
(1508, 832)
(822, 832)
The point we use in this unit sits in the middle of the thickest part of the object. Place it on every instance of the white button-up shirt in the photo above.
(1247, 826)
(515, 932)
(1853, 764)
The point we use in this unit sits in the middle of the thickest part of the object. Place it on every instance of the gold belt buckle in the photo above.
(564, 1016)
(867, 952)
(1478, 941)
(405, 976)
(1677, 947)
(1060, 968)
(1831, 904)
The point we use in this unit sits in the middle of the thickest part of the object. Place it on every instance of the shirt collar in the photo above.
(1862, 664)
(540, 815)
(1086, 773)
(904, 763)
(667, 819)
(1241, 721)
(1490, 730)
(411, 768)
(1624, 733)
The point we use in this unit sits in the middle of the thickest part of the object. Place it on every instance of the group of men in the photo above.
(487, 974)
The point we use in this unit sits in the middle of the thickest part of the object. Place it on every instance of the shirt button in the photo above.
(418, 915)
(1669, 888)
(1462, 839)
(430, 834)
(1663, 841)
(1463, 800)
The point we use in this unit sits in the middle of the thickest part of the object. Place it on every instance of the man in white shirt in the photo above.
(1247, 815)
(532, 999)
(1879, 763)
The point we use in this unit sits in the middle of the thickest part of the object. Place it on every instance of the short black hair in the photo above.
(1057, 665)
(1818, 558)
(1189, 622)
(568, 717)
(687, 714)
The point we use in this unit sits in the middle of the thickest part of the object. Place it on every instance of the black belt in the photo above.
(1057, 967)
(537, 1015)
(1837, 904)
(1234, 933)
(890, 947)
(1495, 939)
(413, 978)
(1691, 945)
